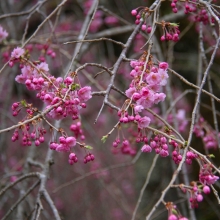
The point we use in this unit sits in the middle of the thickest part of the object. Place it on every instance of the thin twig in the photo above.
(34, 174)
(51, 204)
(193, 85)
(17, 14)
(93, 64)
(20, 200)
(45, 20)
(144, 186)
(83, 33)
(96, 40)
(216, 194)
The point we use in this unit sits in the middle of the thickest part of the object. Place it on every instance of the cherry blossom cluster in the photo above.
(206, 178)
(195, 192)
(63, 97)
(36, 135)
(89, 157)
(206, 175)
(144, 90)
(173, 5)
(72, 158)
(173, 212)
(65, 144)
(124, 147)
(141, 137)
(52, 90)
(203, 16)
(207, 133)
(177, 156)
(190, 156)
(200, 14)
(189, 7)
(38, 131)
(170, 31)
(18, 106)
(44, 50)
(142, 13)
(195, 198)
(160, 145)
(78, 131)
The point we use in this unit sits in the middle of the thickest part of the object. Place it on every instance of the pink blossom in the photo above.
(163, 77)
(20, 79)
(136, 96)
(53, 113)
(138, 108)
(153, 144)
(43, 67)
(71, 141)
(129, 92)
(146, 148)
(17, 53)
(153, 78)
(206, 189)
(145, 91)
(11, 63)
(146, 102)
(134, 12)
(59, 80)
(68, 80)
(163, 38)
(62, 140)
(143, 27)
(159, 97)
(134, 63)
(72, 156)
(199, 198)
(164, 153)
(163, 65)
(172, 217)
(149, 29)
(155, 88)
(143, 122)
(211, 179)
(3, 34)
(207, 178)
(27, 71)
(63, 148)
(85, 93)
(48, 98)
(147, 98)
(154, 69)
(134, 73)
